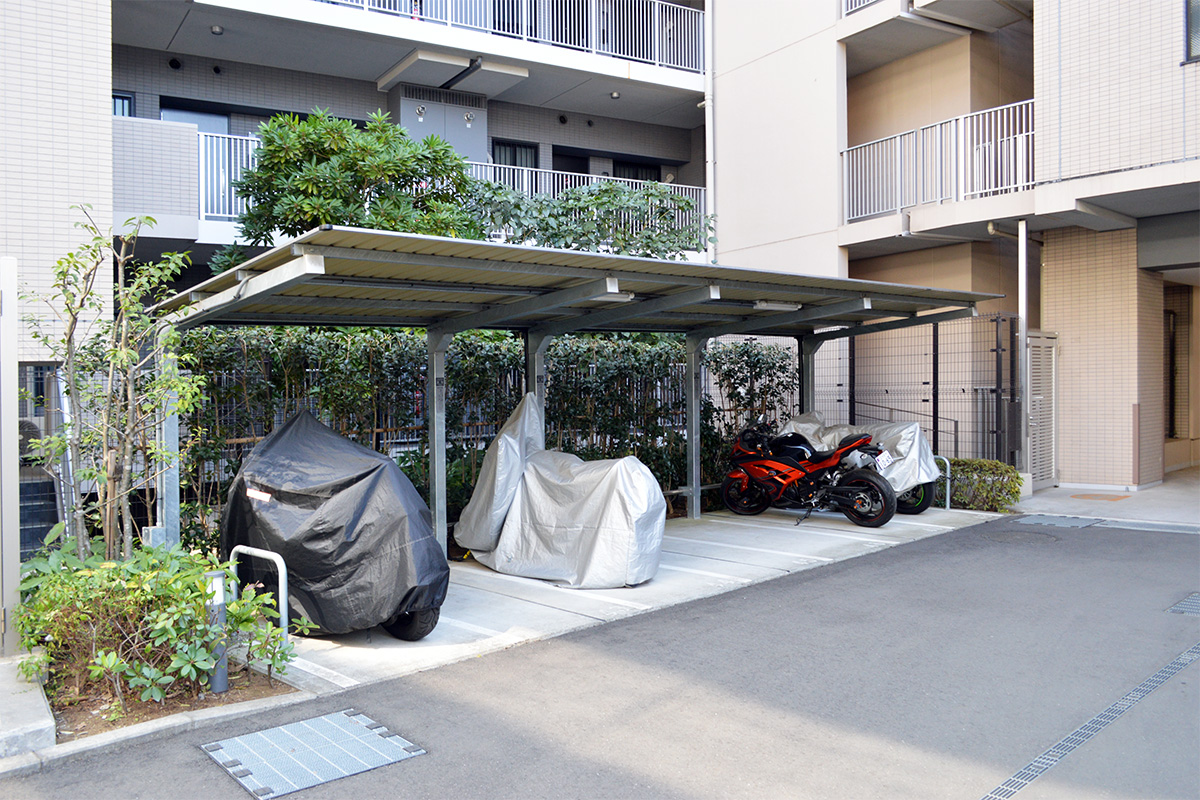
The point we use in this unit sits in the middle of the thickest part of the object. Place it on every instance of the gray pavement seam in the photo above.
(1072, 741)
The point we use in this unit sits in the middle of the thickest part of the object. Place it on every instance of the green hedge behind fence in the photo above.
(606, 397)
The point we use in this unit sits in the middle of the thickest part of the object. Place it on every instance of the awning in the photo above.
(356, 277)
(351, 276)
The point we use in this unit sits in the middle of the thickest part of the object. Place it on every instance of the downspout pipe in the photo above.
(710, 131)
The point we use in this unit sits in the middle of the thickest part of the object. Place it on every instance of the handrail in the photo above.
(945, 461)
(650, 31)
(275, 558)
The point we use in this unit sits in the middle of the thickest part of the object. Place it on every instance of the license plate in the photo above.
(884, 460)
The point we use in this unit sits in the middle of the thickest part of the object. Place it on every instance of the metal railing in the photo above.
(850, 6)
(222, 161)
(974, 155)
(651, 31)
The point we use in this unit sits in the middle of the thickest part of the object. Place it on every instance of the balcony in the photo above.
(649, 31)
(185, 179)
(975, 155)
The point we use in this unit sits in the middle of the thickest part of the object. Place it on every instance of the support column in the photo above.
(1023, 461)
(10, 457)
(694, 391)
(166, 529)
(536, 345)
(437, 343)
(807, 351)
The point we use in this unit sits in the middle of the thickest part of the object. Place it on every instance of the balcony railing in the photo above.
(652, 31)
(986, 153)
(850, 6)
(224, 158)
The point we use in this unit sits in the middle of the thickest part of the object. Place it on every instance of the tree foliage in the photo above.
(324, 170)
(647, 219)
(120, 376)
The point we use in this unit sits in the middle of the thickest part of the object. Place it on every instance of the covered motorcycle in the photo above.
(543, 514)
(912, 471)
(356, 536)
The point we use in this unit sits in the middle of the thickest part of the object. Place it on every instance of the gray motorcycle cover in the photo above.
(356, 537)
(586, 525)
(914, 462)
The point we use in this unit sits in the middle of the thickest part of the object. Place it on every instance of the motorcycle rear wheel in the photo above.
(874, 500)
(916, 499)
(413, 626)
(754, 500)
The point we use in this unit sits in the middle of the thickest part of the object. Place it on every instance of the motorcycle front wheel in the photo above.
(916, 499)
(874, 501)
(747, 502)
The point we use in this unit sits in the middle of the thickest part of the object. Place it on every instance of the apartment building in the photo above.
(899, 140)
(911, 140)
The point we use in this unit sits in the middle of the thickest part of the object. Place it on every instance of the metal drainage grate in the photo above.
(281, 760)
(1034, 769)
(1189, 605)
(1058, 522)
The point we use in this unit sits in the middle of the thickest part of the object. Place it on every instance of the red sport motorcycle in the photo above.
(788, 472)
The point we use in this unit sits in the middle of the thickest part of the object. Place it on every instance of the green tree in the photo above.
(324, 170)
(120, 377)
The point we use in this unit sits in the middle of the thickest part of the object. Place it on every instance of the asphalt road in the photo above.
(936, 669)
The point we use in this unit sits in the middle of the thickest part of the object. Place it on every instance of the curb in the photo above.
(36, 761)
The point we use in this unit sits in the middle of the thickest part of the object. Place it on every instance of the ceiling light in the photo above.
(615, 95)
(217, 30)
(771, 305)
(616, 297)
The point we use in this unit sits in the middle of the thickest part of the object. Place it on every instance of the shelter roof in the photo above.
(345, 276)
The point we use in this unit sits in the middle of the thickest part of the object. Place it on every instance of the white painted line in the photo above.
(812, 529)
(750, 549)
(467, 626)
(690, 571)
(533, 583)
(336, 678)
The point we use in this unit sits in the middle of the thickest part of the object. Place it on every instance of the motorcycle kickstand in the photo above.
(807, 514)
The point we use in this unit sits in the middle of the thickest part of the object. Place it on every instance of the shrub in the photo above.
(138, 626)
(981, 484)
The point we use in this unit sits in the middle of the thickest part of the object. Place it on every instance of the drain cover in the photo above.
(1189, 605)
(1058, 522)
(281, 760)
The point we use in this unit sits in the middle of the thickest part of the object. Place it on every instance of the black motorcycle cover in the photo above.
(356, 537)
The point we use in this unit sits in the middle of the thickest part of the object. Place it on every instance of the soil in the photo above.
(77, 717)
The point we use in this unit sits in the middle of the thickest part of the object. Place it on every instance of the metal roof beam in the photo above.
(331, 320)
(892, 325)
(387, 284)
(562, 271)
(493, 315)
(607, 316)
(371, 305)
(809, 313)
(254, 289)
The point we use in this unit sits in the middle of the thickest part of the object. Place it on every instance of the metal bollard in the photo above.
(282, 599)
(946, 462)
(218, 681)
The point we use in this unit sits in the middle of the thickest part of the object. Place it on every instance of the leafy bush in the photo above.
(138, 626)
(981, 485)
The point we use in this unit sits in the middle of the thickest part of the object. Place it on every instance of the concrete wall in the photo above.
(541, 125)
(779, 111)
(57, 136)
(154, 169)
(146, 73)
(1108, 316)
(972, 73)
(1111, 90)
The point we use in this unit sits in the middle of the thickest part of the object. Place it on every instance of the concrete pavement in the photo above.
(938, 668)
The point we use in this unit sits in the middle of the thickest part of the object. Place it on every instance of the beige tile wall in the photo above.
(1108, 316)
(1111, 90)
(56, 141)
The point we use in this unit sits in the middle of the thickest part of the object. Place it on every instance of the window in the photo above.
(636, 172)
(122, 104)
(1193, 30)
(514, 154)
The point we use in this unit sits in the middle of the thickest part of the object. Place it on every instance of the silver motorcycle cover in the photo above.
(913, 464)
(523, 434)
(543, 514)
